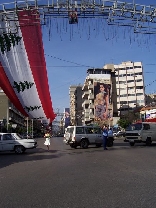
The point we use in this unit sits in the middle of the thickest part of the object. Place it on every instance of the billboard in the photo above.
(151, 114)
(66, 117)
(103, 108)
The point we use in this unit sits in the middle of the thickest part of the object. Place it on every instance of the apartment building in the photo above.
(76, 99)
(98, 96)
(129, 86)
(123, 87)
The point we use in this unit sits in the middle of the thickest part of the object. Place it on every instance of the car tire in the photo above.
(110, 143)
(131, 144)
(73, 146)
(19, 149)
(148, 142)
(84, 143)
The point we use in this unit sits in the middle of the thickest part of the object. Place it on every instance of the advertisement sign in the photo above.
(151, 113)
(103, 109)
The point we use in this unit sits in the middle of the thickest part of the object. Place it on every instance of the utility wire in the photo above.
(69, 61)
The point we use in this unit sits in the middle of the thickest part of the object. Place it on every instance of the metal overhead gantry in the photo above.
(141, 17)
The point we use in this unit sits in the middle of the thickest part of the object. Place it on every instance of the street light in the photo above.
(27, 127)
(32, 128)
(7, 118)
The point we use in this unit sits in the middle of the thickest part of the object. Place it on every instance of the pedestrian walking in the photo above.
(110, 132)
(105, 137)
(47, 141)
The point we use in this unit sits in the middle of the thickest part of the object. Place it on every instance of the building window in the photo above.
(124, 95)
(139, 87)
(130, 88)
(138, 80)
(122, 82)
(139, 73)
(131, 94)
(129, 81)
(137, 67)
(132, 101)
(122, 75)
(129, 67)
(123, 102)
(138, 94)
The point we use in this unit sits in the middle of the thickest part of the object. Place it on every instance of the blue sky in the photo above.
(71, 49)
(93, 44)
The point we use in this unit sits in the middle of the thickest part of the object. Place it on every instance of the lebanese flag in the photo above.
(23, 74)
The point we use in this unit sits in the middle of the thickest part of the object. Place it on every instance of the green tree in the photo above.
(123, 122)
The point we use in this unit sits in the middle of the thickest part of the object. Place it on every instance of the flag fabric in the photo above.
(23, 74)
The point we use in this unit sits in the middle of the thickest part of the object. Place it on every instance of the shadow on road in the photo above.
(116, 147)
(9, 158)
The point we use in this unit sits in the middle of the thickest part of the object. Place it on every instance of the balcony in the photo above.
(86, 102)
(16, 111)
(86, 110)
(85, 87)
(91, 105)
(91, 116)
(86, 119)
(85, 94)
(90, 96)
(86, 115)
(90, 86)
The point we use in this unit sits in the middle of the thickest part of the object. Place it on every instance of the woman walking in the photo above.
(47, 141)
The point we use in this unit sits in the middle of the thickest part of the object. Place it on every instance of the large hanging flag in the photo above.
(23, 74)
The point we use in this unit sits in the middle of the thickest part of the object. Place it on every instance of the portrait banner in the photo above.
(103, 109)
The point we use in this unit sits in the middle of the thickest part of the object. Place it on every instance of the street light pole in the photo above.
(32, 128)
(7, 118)
(27, 127)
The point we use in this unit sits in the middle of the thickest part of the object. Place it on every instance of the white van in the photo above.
(84, 136)
(141, 132)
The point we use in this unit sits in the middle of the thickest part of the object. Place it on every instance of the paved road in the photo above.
(122, 177)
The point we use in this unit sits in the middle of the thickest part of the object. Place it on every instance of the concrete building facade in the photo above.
(124, 84)
(129, 86)
(76, 100)
(10, 117)
(99, 97)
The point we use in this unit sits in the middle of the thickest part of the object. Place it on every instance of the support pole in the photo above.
(32, 129)
(7, 118)
(27, 127)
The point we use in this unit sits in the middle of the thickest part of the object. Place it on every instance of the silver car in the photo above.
(15, 142)
(84, 136)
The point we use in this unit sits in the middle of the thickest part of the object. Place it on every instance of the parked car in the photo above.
(26, 136)
(15, 142)
(120, 134)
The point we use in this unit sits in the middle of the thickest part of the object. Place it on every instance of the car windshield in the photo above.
(133, 127)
